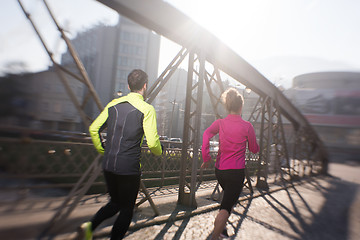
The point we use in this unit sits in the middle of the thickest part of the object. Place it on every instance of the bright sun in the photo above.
(219, 18)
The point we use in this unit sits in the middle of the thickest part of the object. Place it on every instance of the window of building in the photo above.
(126, 36)
(121, 74)
(123, 61)
(139, 51)
(137, 63)
(133, 50)
(124, 74)
(124, 48)
(121, 86)
(132, 62)
(140, 38)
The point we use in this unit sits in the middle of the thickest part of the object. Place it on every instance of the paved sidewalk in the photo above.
(324, 208)
(319, 208)
(316, 208)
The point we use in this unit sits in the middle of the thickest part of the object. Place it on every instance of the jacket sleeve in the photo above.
(150, 130)
(96, 127)
(252, 144)
(208, 134)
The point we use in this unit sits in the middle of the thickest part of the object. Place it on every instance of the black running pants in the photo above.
(232, 182)
(123, 190)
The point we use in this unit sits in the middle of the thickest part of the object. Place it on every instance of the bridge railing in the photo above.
(28, 164)
(41, 164)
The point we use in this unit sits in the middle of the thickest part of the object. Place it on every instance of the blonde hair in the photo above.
(232, 100)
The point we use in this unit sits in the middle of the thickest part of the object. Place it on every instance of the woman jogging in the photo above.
(234, 133)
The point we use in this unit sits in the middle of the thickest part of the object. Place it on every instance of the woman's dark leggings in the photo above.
(232, 182)
(123, 190)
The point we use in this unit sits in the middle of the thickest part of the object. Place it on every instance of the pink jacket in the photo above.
(234, 132)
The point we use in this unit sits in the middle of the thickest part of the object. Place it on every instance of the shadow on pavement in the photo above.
(330, 221)
(236, 226)
(169, 224)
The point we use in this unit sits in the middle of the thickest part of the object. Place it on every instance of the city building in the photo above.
(331, 103)
(109, 53)
(39, 101)
(170, 105)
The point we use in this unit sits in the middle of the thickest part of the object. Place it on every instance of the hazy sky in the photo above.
(280, 38)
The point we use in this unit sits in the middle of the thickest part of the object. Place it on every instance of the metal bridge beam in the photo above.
(191, 133)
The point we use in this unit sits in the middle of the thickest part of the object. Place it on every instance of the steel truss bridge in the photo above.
(208, 59)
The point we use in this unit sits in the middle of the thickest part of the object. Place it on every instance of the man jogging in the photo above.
(127, 120)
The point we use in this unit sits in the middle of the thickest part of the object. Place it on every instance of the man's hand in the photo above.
(205, 164)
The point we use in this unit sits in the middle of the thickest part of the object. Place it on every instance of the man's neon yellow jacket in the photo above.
(127, 119)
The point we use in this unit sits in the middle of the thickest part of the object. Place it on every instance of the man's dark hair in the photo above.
(136, 80)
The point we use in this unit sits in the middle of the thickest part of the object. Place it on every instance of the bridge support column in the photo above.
(192, 127)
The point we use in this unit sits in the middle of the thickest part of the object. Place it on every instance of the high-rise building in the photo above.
(170, 104)
(109, 53)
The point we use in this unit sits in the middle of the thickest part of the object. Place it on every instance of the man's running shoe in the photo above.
(85, 231)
